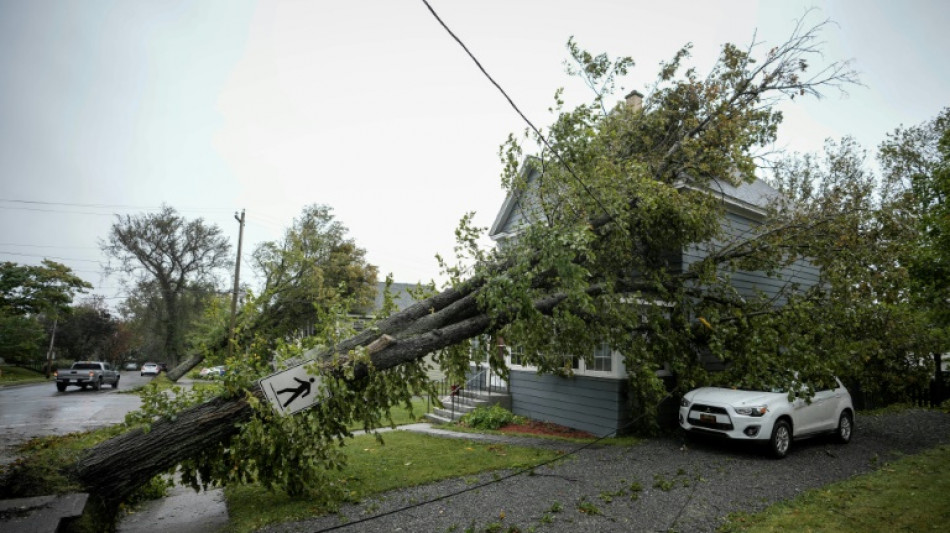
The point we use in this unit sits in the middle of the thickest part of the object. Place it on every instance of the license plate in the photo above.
(707, 418)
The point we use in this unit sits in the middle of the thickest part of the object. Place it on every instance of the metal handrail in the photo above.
(479, 382)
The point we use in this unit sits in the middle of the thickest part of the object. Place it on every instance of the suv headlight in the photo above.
(758, 410)
(684, 402)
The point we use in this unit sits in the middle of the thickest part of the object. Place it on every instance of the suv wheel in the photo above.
(781, 440)
(845, 428)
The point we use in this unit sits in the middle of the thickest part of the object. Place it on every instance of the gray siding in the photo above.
(596, 405)
(752, 284)
(516, 220)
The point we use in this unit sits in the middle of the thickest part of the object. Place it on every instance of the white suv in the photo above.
(767, 417)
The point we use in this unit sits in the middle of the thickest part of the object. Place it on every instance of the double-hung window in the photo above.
(603, 359)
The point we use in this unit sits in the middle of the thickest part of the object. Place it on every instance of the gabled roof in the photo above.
(747, 199)
(510, 203)
(400, 292)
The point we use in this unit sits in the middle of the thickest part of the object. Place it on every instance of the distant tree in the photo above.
(28, 292)
(145, 315)
(121, 346)
(315, 267)
(87, 332)
(175, 254)
(21, 338)
(916, 163)
(142, 312)
(868, 327)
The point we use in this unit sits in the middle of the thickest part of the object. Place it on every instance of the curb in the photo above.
(41, 514)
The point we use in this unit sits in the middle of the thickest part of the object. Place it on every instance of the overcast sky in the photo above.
(367, 106)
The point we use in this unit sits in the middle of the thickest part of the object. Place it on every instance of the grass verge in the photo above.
(38, 470)
(400, 415)
(406, 460)
(912, 494)
(10, 375)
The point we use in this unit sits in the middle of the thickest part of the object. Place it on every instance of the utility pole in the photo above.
(237, 281)
(49, 353)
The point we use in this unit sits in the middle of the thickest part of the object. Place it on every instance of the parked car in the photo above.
(150, 369)
(131, 366)
(84, 374)
(768, 417)
(212, 372)
(163, 367)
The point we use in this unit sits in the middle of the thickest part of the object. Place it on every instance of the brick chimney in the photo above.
(635, 100)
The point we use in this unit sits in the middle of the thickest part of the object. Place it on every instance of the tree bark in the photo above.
(113, 469)
(184, 367)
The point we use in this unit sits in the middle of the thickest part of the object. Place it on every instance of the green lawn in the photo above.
(400, 415)
(406, 460)
(912, 494)
(14, 374)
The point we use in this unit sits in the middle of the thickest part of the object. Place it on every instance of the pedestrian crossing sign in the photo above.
(292, 390)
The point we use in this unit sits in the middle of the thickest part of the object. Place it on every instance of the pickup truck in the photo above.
(84, 374)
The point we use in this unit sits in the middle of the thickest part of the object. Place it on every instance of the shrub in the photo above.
(492, 417)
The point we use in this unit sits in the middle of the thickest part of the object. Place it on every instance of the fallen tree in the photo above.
(117, 467)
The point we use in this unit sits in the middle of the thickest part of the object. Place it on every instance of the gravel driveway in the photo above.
(689, 487)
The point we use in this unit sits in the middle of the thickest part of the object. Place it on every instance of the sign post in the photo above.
(291, 390)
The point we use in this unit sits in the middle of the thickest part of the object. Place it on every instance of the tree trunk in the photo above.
(116, 467)
(172, 326)
(177, 372)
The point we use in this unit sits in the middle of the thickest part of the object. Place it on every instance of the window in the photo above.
(603, 359)
(517, 355)
(601, 364)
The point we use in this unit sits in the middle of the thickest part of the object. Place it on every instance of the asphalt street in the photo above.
(39, 410)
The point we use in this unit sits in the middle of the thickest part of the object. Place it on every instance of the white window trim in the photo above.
(618, 369)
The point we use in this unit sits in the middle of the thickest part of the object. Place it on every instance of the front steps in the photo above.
(462, 402)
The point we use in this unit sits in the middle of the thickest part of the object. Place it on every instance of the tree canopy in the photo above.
(27, 292)
(90, 331)
(314, 268)
(172, 255)
(30, 290)
(916, 164)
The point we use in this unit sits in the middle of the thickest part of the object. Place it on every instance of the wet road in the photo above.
(40, 410)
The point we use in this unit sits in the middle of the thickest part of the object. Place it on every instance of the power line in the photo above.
(50, 257)
(37, 209)
(70, 204)
(524, 470)
(102, 206)
(113, 213)
(537, 132)
(48, 246)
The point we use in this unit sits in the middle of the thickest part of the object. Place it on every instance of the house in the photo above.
(402, 298)
(596, 398)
